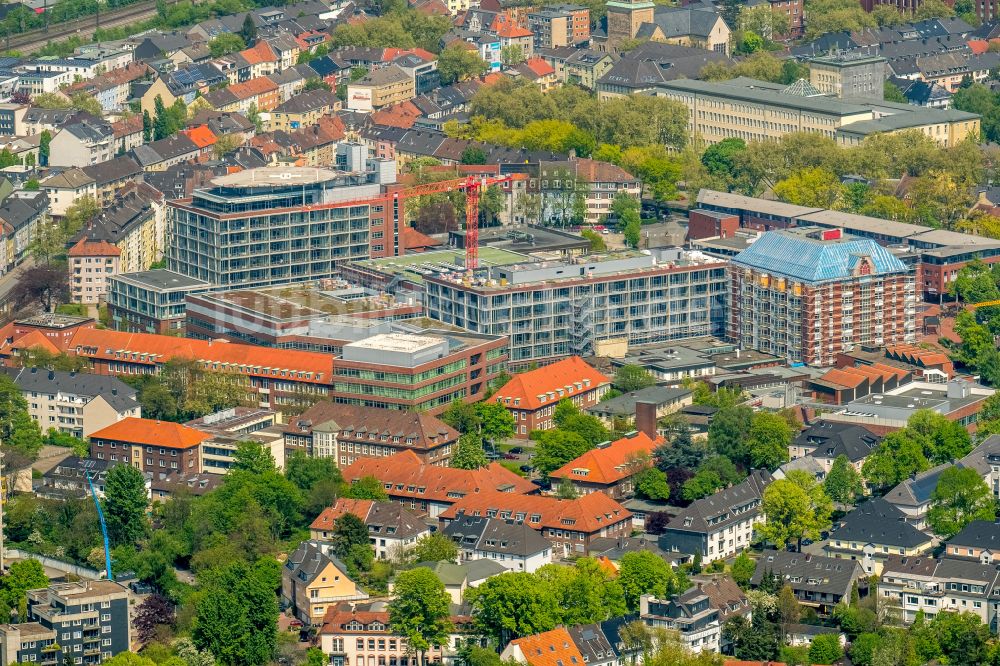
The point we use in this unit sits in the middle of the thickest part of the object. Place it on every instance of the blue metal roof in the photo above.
(795, 255)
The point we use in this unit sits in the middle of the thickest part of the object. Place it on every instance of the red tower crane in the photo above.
(473, 186)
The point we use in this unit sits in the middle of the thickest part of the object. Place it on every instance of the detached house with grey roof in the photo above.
(979, 540)
(825, 441)
(313, 580)
(510, 543)
(721, 525)
(817, 581)
(872, 532)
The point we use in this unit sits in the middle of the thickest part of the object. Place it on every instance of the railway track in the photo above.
(82, 27)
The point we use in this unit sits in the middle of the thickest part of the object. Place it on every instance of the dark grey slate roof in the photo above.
(831, 439)
(816, 573)
(682, 21)
(624, 404)
(978, 534)
(496, 535)
(879, 522)
(694, 518)
(118, 394)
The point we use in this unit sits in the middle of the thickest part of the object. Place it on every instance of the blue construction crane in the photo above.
(104, 527)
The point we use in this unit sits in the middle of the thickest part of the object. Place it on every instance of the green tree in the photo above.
(630, 377)
(512, 55)
(768, 441)
(945, 440)
(743, 569)
(843, 483)
(720, 158)
(702, 484)
(473, 155)
(900, 454)
(251, 456)
(226, 43)
(18, 431)
(863, 649)
(367, 487)
(495, 421)
(555, 448)
(652, 484)
(825, 649)
(458, 63)
(960, 497)
(892, 93)
(470, 453)
(249, 31)
(434, 548)
(419, 610)
(796, 507)
(512, 605)
(316, 83)
(236, 616)
(566, 490)
(21, 576)
(125, 504)
(349, 531)
(729, 430)
(813, 187)
(644, 572)
(44, 150)
(463, 417)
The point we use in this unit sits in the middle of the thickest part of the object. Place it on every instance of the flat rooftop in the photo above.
(52, 320)
(161, 279)
(299, 301)
(398, 342)
(276, 176)
(414, 267)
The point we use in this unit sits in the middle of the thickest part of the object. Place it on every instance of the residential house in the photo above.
(111, 89)
(12, 119)
(75, 403)
(149, 445)
(695, 25)
(356, 633)
(459, 578)
(134, 224)
(20, 215)
(513, 35)
(979, 540)
(583, 67)
(929, 586)
(286, 48)
(128, 133)
(290, 82)
(303, 110)
(571, 525)
(913, 495)
(90, 264)
(348, 433)
(71, 478)
(598, 182)
(260, 94)
(430, 489)
(594, 644)
(511, 543)
(721, 525)
(163, 154)
(549, 648)
(382, 87)
(690, 614)
(313, 581)
(65, 188)
(553, 27)
(825, 441)
(872, 532)
(111, 177)
(725, 596)
(611, 467)
(531, 397)
(394, 530)
(539, 72)
(82, 144)
(817, 581)
(666, 399)
(36, 119)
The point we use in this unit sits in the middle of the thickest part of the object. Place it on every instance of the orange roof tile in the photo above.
(551, 383)
(863, 370)
(330, 515)
(843, 378)
(153, 433)
(258, 53)
(126, 126)
(258, 86)
(409, 476)
(978, 46)
(250, 360)
(89, 248)
(413, 239)
(611, 463)
(888, 370)
(589, 513)
(37, 339)
(549, 648)
(200, 135)
(539, 66)
(513, 31)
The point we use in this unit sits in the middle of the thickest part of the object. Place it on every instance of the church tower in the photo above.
(625, 17)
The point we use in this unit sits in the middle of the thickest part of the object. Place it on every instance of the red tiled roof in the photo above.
(512, 31)
(611, 463)
(126, 126)
(154, 433)
(411, 477)
(554, 382)
(88, 248)
(413, 239)
(539, 66)
(330, 515)
(37, 339)
(595, 171)
(402, 115)
(978, 46)
(842, 377)
(252, 88)
(258, 53)
(549, 648)
(200, 135)
(251, 360)
(589, 513)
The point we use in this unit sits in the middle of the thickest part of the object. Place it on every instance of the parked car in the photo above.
(526, 468)
(517, 450)
(509, 456)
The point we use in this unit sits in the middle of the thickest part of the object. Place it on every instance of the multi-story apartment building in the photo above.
(924, 584)
(149, 445)
(690, 614)
(429, 489)
(872, 533)
(720, 525)
(571, 525)
(611, 467)
(807, 295)
(86, 622)
(348, 432)
(91, 263)
(75, 403)
(382, 87)
(817, 581)
(512, 544)
(531, 396)
(559, 25)
(582, 67)
(560, 183)
(553, 309)
(150, 301)
(275, 225)
(393, 529)
(979, 541)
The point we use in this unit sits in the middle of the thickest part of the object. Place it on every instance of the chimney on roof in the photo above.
(645, 418)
